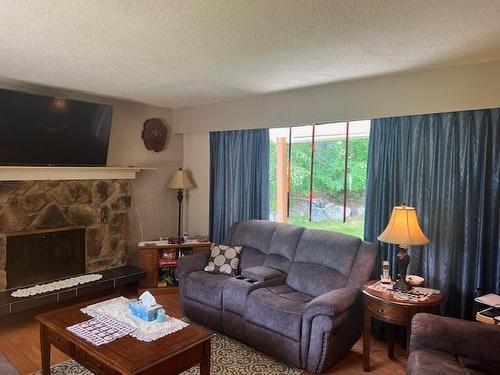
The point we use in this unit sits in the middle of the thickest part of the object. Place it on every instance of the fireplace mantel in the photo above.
(23, 173)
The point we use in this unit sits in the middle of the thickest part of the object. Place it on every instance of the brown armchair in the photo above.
(446, 346)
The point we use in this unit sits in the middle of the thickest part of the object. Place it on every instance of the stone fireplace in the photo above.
(99, 207)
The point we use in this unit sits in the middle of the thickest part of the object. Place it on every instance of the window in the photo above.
(318, 175)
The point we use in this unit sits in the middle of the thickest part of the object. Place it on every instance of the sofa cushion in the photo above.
(480, 365)
(434, 362)
(274, 344)
(329, 249)
(283, 246)
(251, 257)
(363, 265)
(6, 368)
(261, 273)
(224, 259)
(236, 292)
(278, 309)
(314, 279)
(459, 337)
(323, 261)
(256, 234)
(205, 287)
(200, 313)
(289, 293)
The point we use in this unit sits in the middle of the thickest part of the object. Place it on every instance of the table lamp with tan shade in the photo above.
(403, 230)
(180, 181)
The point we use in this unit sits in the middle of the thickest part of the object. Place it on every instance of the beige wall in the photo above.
(440, 90)
(197, 161)
(156, 204)
(154, 207)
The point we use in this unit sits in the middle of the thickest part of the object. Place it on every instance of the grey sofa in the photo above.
(448, 346)
(6, 368)
(298, 295)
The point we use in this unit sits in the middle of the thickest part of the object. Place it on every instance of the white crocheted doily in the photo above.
(117, 308)
(56, 285)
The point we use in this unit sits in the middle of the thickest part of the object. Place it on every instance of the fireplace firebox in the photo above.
(44, 255)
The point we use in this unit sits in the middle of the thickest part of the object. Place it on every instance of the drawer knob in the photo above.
(381, 310)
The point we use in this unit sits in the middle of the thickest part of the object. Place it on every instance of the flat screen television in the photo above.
(44, 130)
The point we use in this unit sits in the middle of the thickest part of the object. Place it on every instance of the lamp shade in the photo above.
(403, 228)
(180, 180)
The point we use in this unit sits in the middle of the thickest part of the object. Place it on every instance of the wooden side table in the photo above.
(382, 306)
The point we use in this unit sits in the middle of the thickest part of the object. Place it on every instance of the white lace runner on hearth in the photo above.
(117, 308)
(56, 285)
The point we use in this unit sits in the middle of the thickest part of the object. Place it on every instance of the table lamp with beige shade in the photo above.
(180, 181)
(403, 230)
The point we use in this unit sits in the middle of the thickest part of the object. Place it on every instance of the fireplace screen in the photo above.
(42, 256)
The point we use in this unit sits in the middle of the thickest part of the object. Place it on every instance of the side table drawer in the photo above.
(386, 312)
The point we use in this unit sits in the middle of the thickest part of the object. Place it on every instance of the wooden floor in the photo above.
(19, 342)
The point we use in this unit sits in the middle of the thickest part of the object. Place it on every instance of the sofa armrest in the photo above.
(6, 368)
(332, 303)
(455, 336)
(191, 263)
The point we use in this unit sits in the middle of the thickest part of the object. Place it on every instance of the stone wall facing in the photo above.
(100, 205)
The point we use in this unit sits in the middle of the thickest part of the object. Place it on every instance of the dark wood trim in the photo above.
(46, 230)
(311, 172)
(367, 325)
(345, 170)
(289, 177)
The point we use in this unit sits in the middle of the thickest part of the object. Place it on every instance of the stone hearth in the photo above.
(99, 205)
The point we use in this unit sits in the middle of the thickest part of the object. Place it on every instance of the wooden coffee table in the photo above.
(171, 354)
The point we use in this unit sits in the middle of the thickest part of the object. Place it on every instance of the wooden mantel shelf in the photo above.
(25, 173)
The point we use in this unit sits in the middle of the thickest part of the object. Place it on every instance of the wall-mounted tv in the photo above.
(44, 130)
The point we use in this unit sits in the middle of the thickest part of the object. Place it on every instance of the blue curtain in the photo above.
(239, 178)
(447, 165)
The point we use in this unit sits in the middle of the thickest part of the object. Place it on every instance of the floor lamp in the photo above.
(180, 181)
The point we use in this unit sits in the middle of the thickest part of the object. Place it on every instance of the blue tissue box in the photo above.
(147, 313)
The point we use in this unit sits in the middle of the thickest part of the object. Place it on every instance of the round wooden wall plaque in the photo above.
(154, 134)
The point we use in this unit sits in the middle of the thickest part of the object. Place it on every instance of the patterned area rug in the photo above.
(229, 357)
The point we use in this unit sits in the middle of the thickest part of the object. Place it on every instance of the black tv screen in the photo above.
(44, 130)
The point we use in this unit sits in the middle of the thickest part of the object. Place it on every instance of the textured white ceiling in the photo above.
(186, 52)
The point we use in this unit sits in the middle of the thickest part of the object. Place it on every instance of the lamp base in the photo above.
(401, 285)
(179, 199)
(402, 261)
